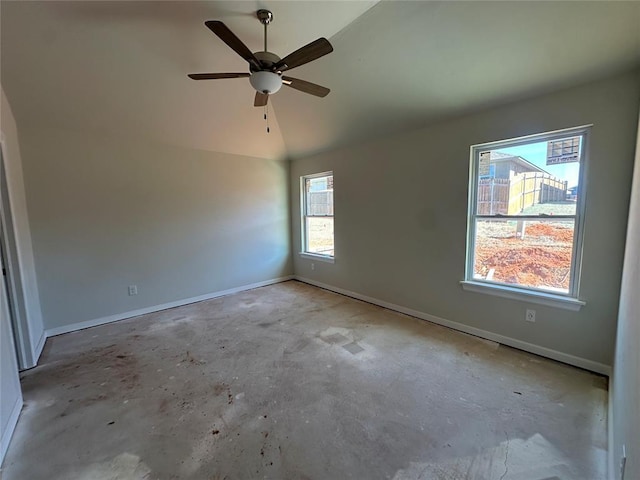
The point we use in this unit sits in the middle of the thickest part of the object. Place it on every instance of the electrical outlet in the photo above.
(530, 316)
(133, 290)
(623, 461)
(313, 266)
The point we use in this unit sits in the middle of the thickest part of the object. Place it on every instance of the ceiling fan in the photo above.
(266, 68)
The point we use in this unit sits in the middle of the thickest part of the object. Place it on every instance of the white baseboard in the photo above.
(156, 308)
(11, 426)
(511, 342)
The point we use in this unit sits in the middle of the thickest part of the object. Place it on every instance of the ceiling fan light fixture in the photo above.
(266, 82)
(265, 67)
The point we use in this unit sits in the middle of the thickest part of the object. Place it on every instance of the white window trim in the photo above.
(318, 257)
(303, 213)
(530, 296)
(568, 301)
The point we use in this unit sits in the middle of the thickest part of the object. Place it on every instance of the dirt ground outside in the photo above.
(540, 258)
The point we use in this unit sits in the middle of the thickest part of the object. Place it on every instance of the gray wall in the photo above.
(626, 373)
(109, 212)
(401, 205)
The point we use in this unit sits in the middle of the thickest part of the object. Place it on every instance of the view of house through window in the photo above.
(318, 214)
(525, 212)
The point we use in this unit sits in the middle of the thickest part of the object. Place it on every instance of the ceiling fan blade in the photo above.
(215, 76)
(228, 37)
(306, 87)
(261, 99)
(306, 54)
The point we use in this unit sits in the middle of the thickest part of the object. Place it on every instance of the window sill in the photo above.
(542, 298)
(318, 257)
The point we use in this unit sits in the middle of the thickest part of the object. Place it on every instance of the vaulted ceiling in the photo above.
(119, 68)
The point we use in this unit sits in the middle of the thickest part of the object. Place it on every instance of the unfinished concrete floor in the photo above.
(294, 382)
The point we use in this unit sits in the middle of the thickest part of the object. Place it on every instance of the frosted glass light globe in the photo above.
(266, 82)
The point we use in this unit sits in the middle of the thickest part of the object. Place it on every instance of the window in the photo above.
(526, 202)
(317, 214)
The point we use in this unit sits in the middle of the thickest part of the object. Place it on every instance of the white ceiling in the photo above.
(120, 67)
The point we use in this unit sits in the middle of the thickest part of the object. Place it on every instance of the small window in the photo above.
(317, 214)
(526, 201)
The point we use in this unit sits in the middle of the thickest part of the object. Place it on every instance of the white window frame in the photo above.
(569, 300)
(303, 221)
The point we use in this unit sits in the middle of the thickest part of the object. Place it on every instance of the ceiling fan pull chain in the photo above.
(266, 116)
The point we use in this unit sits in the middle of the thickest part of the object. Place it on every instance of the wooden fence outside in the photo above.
(510, 196)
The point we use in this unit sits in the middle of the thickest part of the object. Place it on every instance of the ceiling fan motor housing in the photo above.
(267, 60)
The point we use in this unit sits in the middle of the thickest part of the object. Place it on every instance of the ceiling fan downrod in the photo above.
(265, 17)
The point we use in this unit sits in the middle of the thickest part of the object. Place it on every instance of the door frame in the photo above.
(13, 278)
(10, 378)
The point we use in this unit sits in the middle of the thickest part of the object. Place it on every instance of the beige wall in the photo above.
(401, 205)
(626, 374)
(108, 212)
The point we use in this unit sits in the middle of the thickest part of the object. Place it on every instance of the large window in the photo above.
(317, 214)
(526, 202)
